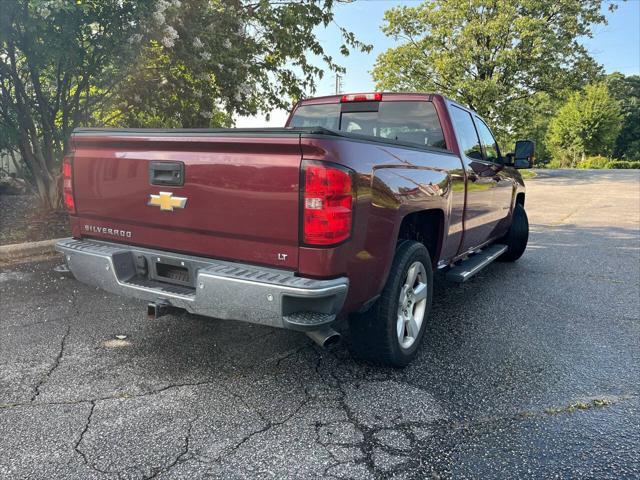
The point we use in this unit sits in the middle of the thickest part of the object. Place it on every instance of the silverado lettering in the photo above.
(362, 196)
(108, 231)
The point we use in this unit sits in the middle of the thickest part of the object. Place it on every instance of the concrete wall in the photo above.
(6, 164)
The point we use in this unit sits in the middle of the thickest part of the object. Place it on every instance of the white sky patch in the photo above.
(278, 119)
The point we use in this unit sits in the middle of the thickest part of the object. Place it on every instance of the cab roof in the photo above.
(386, 96)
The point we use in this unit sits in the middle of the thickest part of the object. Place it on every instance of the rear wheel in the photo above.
(391, 331)
(517, 237)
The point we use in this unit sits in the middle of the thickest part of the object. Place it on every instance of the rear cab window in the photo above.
(325, 115)
(414, 122)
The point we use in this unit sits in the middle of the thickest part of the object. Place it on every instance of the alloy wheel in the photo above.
(412, 305)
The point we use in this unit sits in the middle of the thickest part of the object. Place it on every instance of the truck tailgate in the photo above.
(241, 191)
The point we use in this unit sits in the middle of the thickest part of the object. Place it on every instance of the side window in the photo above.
(466, 132)
(488, 142)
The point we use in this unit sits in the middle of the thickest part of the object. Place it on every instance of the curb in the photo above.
(28, 249)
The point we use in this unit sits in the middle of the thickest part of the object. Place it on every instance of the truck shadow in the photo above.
(554, 323)
(492, 300)
(558, 320)
(572, 177)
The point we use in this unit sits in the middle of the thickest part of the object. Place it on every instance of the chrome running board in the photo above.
(475, 263)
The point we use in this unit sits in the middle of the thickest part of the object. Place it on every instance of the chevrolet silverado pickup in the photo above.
(346, 212)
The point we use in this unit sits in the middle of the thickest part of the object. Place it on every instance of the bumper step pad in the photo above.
(307, 320)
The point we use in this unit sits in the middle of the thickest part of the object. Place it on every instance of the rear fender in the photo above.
(399, 192)
(390, 183)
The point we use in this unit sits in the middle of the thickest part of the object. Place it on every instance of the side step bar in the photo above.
(472, 265)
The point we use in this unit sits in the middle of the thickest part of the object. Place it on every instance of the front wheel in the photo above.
(391, 331)
(517, 237)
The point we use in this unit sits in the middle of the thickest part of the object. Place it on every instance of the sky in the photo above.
(616, 46)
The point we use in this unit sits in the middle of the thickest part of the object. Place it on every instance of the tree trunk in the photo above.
(49, 191)
(47, 183)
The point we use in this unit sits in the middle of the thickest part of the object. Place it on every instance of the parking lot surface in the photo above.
(530, 370)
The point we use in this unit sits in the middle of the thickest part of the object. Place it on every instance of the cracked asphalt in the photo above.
(530, 370)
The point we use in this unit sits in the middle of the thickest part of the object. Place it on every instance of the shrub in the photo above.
(587, 124)
(618, 164)
(597, 161)
(555, 164)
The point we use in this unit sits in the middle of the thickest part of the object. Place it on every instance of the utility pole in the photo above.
(338, 83)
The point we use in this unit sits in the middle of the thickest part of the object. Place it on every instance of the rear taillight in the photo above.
(361, 97)
(327, 211)
(67, 184)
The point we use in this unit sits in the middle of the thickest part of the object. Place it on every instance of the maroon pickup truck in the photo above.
(345, 212)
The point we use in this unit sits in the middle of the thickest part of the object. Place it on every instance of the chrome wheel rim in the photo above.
(412, 305)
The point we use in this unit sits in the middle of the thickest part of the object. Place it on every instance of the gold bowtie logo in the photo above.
(166, 201)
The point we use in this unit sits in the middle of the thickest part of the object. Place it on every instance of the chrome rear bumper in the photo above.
(219, 289)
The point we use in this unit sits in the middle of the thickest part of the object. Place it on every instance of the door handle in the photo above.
(166, 173)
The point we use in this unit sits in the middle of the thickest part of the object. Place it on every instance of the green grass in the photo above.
(526, 174)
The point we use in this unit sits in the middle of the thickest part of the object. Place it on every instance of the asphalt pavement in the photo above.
(530, 370)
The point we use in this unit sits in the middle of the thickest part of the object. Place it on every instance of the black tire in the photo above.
(517, 237)
(374, 334)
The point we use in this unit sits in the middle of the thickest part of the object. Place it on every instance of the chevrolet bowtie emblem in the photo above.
(166, 201)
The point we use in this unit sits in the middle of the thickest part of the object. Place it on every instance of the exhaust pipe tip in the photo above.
(325, 337)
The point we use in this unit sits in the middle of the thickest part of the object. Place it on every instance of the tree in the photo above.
(492, 56)
(531, 122)
(164, 63)
(588, 124)
(627, 91)
(228, 57)
(58, 62)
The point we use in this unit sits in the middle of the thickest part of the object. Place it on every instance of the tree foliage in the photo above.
(492, 56)
(58, 63)
(171, 63)
(587, 124)
(627, 91)
(228, 57)
(531, 121)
